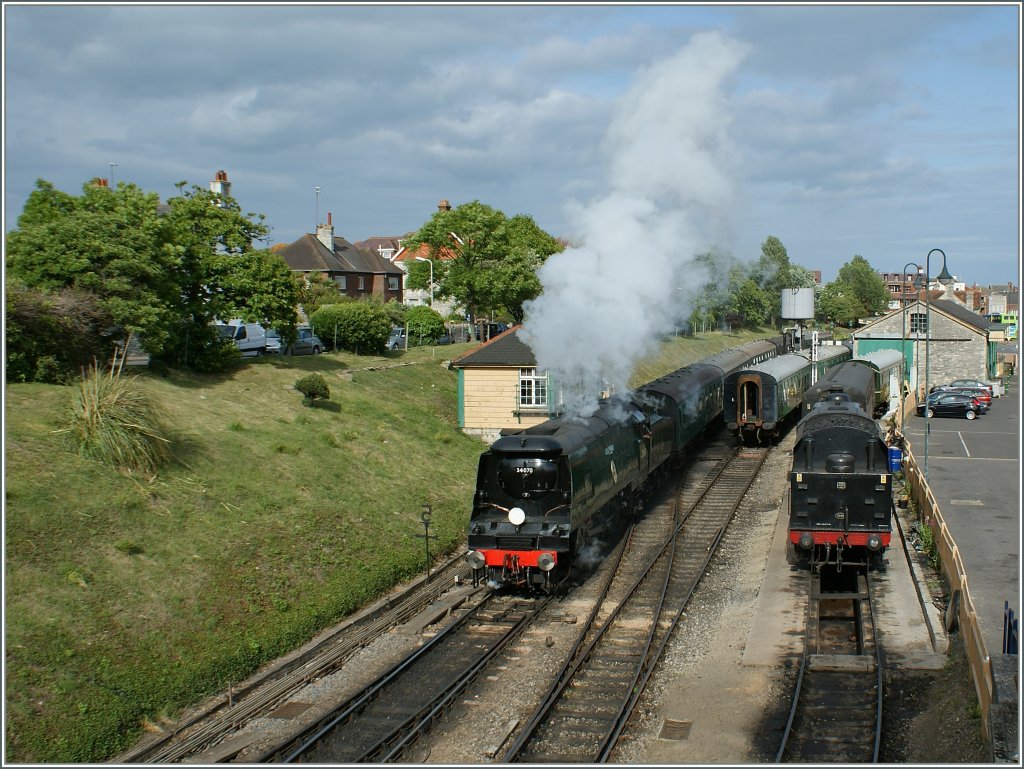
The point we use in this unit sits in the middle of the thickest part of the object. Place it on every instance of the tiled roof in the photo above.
(506, 349)
(309, 254)
(961, 313)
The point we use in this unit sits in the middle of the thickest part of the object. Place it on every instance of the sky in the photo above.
(874, 130)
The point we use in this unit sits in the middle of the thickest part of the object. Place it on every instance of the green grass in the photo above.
(128, 598)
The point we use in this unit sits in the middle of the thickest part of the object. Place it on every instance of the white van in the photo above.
(249, 338)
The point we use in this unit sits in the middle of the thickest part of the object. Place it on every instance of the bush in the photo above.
(425, 325)
(113, 421)
(50, 337)
(361, 327)
(313, 386)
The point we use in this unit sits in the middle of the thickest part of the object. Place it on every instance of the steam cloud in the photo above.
(631, 277)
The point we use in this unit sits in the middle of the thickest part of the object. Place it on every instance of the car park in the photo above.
(306, 343)
(951, 404)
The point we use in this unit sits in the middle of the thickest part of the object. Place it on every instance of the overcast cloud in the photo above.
(883, 131)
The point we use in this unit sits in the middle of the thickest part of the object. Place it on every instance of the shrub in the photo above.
(50, 336)
(113, 421)
(360, 327)
(312, 386)
(425, 325)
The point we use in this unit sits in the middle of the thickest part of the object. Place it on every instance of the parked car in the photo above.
(397, 339)
(273, 342)
(950, 404)
(306, 343)
(972, 383)
(984, 397)
(249, 338)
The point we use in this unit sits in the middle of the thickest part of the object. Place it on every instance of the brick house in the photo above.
(499, 387)
(357, 273)
(960, 345)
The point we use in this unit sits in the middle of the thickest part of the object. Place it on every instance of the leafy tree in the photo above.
(839, 304)
(495, 258)
(163, 272)
(425, 324)
(316, 290)
(752, 304)
(865, 284)
(773, 272)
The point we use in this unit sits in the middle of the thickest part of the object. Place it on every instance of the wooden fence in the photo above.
(961, 605)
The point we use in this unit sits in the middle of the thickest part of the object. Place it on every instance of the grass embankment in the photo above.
(128, 598)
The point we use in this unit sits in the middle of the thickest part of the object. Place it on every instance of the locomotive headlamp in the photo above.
(874, 542)
(546, 561)
(475, 559)
(806, 541)
(516, 516)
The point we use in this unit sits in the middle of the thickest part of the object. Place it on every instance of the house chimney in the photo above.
(220, 184)
(325, 233)
(444, 206)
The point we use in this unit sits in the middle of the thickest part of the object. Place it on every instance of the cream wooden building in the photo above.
(499, 387)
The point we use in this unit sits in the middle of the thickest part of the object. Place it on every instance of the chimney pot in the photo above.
(328, 217)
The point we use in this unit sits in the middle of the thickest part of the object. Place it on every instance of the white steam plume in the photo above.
(630, 279)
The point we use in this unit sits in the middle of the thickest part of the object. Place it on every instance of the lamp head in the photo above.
(944, 277)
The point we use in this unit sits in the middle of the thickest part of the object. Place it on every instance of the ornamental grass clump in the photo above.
(113, 421)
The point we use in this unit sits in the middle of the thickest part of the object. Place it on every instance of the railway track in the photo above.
(588, 705)
(384, 718)
(222, 717)
(836, 713)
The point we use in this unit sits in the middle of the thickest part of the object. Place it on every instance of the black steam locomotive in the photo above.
(551, 495)
(840, 485)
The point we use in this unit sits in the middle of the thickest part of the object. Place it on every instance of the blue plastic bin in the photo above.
(895, 459)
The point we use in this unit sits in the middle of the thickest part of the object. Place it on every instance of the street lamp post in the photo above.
(903, 337)
(944, 278)
(431, 263)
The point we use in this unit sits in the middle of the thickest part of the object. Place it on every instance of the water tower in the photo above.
(797, 305)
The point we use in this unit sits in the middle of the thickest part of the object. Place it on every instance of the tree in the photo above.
(865, 284)
(838, 303)
(495, 258)
(316, 290)
(773, 272)
(752, 304)
(165, 273)
(425, 325)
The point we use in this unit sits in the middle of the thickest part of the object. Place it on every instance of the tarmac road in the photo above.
(974, 473)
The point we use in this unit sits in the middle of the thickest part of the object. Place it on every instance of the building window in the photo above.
(918, 322)
(342, 282)
(393, 284)
(533, 389)
(362, 283)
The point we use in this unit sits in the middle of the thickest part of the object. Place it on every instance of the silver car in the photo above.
(306, 343)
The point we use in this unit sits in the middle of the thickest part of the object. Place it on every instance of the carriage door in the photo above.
(748, 405)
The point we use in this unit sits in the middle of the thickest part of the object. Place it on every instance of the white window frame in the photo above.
(392, 284)
(342, 281)
(532, 390)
